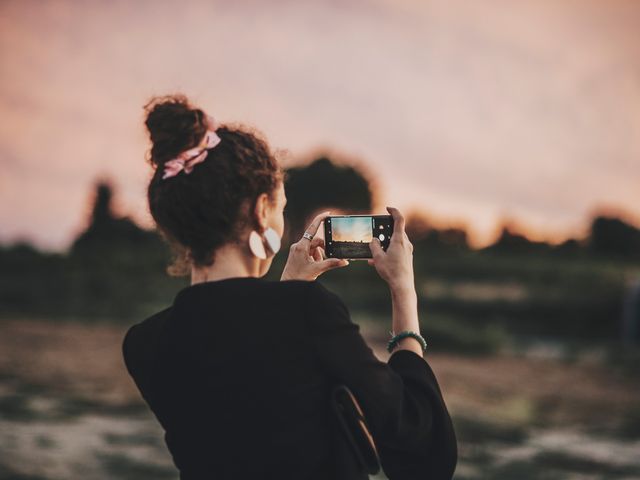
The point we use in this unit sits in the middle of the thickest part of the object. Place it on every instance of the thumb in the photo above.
(376, 248)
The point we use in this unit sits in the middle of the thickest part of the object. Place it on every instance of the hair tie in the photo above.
(187, 159)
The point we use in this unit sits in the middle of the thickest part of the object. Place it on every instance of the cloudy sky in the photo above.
(471, 111)
(352, 229)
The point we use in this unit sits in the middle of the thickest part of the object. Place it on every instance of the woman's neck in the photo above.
(230, 261)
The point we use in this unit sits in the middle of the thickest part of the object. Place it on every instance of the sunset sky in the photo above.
(470, 111)
(352, 229)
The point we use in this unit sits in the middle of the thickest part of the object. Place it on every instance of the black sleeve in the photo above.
(401, 399)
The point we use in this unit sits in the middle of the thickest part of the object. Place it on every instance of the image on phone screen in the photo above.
(348, 236)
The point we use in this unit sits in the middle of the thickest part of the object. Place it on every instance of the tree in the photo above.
(511, 241)
(613, 236)
(108, 233)
(323, 185)
(421, 230)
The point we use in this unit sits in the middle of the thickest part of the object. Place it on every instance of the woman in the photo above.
(239, 370)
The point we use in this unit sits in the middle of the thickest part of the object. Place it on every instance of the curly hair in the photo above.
(198, 212)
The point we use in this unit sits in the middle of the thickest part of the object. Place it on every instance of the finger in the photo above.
(301, 249)
(332, 263)
(317, 254)
(295, 248)
(398, 221)
(376, 248)
(317, 242)
(315, 223)
(371, 262)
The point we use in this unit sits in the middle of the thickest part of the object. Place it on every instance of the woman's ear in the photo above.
(261, 210)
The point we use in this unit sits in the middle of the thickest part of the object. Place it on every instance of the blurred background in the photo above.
(508, 133)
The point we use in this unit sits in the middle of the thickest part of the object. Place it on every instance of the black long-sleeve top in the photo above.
(239, 372)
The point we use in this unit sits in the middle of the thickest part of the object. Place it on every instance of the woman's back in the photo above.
(239, 373)
(231, 377)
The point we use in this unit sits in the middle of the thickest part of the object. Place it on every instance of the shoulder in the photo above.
(141, 336)
(146, 327)
(325, 310)
(310, 298)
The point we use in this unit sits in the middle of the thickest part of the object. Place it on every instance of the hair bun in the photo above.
(174, 125)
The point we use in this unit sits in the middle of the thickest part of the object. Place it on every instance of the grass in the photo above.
(449, 333)
(498, 403)
(10, 474)
(472, 430)
(121, 466)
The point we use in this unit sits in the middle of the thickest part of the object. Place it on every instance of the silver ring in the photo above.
(307, 235)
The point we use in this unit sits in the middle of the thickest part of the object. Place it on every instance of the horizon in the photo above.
(348, 230)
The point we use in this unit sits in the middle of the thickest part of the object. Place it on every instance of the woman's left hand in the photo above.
(306, 257)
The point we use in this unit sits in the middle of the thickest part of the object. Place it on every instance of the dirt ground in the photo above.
(69, 410)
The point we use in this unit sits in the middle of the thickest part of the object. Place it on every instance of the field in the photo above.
(351, 250)
(68, 409)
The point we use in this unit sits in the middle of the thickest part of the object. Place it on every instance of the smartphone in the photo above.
(348, 236)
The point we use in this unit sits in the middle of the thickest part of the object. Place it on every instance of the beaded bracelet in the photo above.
(404, 334)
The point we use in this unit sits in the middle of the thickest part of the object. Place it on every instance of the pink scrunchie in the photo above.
(187, 159)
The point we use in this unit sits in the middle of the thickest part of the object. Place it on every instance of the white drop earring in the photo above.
(265, 245)
(272, 241)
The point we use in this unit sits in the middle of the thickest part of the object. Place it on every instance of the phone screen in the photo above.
(348, 236)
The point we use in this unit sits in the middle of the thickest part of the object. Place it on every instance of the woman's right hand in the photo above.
(395, 266)
(305, 260)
